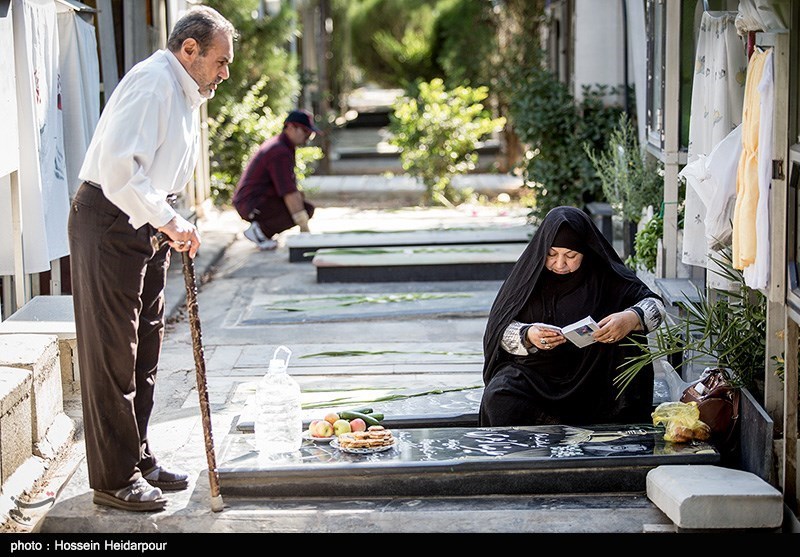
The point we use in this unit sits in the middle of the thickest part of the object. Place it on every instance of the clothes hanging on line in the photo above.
(716, 109)
(756, 275)
(713, 179)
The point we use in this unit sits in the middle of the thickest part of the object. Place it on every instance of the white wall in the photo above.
(599, 45)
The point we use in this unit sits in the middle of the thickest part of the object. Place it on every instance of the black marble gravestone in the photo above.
(463, 461)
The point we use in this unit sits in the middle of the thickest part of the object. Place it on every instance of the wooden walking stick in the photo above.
(200, 367)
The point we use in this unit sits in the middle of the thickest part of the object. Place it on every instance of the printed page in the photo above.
(580, 332)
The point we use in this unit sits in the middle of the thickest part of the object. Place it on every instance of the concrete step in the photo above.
(303, 247)
(361, 185)
(34, 429)
(417, 263)
(51, 315)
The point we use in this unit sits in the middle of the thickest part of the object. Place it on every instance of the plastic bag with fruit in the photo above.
(681, 422)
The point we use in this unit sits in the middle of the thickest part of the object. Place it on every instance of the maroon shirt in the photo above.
(268, 175)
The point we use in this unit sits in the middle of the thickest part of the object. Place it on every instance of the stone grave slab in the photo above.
(345, 358)
(414, 407)
(410, 264)
(303, 247)
(420, 406)
(462, 461)
(326, 308)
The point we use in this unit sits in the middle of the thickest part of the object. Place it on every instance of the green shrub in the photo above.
(263, 82)
(555, 128)
(631, 180)
(645, 245)
(437, 134)
(465, 43)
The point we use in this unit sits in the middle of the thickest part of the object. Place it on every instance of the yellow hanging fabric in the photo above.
(744, 214)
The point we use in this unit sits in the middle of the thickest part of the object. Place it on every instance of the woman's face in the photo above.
(563, 261)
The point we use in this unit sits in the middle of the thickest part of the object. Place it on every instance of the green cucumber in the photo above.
(365, 410)
(377, 416)
(348, 415)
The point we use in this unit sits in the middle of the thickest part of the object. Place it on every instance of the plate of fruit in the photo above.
(334, 424)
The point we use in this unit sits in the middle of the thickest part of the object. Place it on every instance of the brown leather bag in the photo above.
(718, 402)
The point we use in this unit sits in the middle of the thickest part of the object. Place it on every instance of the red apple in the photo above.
(323, 429)
(331, 417)
(358, 424)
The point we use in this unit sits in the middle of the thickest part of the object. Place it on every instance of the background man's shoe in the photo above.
(165, 479)
(254, 233)
(267, 245)
(139, 496)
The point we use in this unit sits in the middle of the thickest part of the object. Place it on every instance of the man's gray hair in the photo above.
(200, 23)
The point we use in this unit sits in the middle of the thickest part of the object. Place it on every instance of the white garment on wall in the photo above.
(80, 89)
(713, 179)
(9, 146)
(42, 167)
(756, 276)
(716, 109)
(763, 15)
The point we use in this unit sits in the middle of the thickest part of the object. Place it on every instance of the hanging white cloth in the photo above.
(42, 168)
(713, 178)
(756, 275)
(763, 15)
(80, 89)
(716, 109)
(9, 141)
(9, 147)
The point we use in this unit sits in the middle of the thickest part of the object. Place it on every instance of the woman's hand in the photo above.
(544, 338)
(617, 326)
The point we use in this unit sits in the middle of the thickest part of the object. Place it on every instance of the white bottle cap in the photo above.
(278, 364)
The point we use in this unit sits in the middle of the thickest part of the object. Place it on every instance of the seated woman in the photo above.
(532, 374)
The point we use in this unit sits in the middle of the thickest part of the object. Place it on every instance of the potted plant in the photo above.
(725, 329)
(645, 245)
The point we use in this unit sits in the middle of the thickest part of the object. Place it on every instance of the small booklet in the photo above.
(579, 333)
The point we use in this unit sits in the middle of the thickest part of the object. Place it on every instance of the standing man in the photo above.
(143, 151)
(266, 195)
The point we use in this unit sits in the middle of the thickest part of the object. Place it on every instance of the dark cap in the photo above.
(303, 118)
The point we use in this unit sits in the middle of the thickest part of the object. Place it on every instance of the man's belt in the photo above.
(172, 198)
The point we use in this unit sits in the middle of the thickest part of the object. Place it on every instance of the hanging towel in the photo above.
(747, 188)
(757, 275)
(80, 86)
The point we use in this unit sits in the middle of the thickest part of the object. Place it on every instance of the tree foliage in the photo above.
(263, 86)
(392, 40)
(465, 43)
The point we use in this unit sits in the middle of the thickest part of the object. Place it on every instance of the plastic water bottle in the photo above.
(279, 420)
